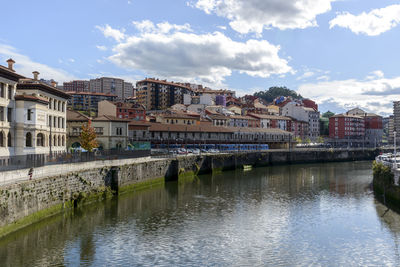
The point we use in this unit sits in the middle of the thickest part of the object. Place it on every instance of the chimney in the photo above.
(35, 75)
(10, 64)
(53, 83)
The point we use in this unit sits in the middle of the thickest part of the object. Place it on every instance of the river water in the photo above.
(299, 215)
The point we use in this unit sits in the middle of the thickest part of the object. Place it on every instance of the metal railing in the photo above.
(39, 160)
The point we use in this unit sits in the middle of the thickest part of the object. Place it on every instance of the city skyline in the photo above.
(340, 53)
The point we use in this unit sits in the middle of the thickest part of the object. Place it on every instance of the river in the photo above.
(298, 215)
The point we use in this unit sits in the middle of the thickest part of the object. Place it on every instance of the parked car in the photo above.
(196, 151)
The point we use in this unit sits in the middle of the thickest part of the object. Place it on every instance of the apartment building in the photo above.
(301, 113)
(113, 86)
(88, 101)
(76, 86)
(347, 130)
(373, 126)
(156, 94)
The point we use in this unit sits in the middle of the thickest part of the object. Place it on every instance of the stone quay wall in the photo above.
(54, 189)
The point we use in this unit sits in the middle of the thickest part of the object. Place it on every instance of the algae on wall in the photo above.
(383, 184)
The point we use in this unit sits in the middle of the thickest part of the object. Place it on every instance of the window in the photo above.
(28, 139)
(119, 130)
(1, 113)
(29, 114)
(39, 140)
(9, 91)
(2, 89)
(9, 114)
(9, 143)
(1, 138)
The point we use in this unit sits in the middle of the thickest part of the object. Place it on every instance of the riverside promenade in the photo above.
(56, 188)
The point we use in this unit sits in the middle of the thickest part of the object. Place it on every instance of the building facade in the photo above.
(301, 113)
(156, 94)
(76, 86)
(88, 101)
(32, 115)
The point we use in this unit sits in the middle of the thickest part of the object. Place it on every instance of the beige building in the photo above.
(32, 115)
(181, 119)
(112, 132)
(235, 109)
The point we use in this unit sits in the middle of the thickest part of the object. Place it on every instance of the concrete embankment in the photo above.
(386, 185)
(54, 189)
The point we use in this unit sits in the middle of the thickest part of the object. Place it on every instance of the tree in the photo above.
(88, 137)
(273, 92)
(328, 114)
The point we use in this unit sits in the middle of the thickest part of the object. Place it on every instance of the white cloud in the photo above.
(375, 74)
(306, 75)
(25, 66)
(204, 58)
(323, 77)
(373, 23)
(256, 15)
(163, 27)
(71, 60)
(375, 95)
(222, 27)
(101, 47)
(117, 35)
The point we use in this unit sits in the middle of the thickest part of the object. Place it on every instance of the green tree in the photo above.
(298, 140)
(276, 91)
(328, 114)
(88, 137)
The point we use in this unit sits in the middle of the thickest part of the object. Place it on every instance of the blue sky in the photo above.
(340, 53)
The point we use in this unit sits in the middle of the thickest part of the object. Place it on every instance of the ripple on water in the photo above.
(304, 215)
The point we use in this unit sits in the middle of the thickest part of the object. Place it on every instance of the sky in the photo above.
(340, 53)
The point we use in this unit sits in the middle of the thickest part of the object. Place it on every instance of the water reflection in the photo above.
(299, 215)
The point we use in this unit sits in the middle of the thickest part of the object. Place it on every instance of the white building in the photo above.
(33, 115)
(301, 113)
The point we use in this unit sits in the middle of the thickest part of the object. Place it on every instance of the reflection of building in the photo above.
(32, 115)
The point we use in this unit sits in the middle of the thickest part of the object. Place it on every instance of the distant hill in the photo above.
(273, 92)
